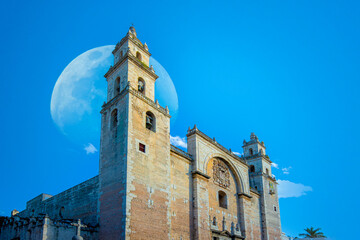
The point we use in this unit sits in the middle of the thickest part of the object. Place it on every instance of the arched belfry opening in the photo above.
(150, 121)
(141, 85)
(138, 56)
(117, 86)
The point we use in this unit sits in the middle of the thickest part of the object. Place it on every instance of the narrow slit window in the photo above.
(117, 86)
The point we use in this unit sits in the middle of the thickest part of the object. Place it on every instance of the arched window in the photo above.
(121, 54)
(114, 121)
(117, 86)
(138, 56)
(222, 199)
(252, 168)
(251, 151)
(150, 121)
(62, 212)
(141, 85)
(267, 171)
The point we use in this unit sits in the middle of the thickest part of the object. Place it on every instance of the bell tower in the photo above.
(134, 169)
(262, 180)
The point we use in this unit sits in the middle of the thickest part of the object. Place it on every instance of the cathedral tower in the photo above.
(135, 149)
(262, 180)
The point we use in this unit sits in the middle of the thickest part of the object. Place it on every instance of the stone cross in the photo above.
(78, 226)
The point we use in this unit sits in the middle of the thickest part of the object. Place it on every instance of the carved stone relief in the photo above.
(221, 173)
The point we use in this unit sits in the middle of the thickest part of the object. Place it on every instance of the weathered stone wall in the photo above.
(78, 202)
(271, 207)
(135, 72)
(43, 228)
(113, 169)
(230, 214)
(148, 182)
(122, 73)
(181, 194)
(251, 216)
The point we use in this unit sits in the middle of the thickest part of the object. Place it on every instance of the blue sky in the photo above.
(286, 70)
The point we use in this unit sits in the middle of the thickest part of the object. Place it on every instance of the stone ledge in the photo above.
(198, 173)
(128, 55)
(129, 89)
(181, 152)
(244, 195)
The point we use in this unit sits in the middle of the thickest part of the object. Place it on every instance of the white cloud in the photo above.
(286, 170)
(178, 141)
(237, 153)
(275, 165)
(90, 149)
(287, 189)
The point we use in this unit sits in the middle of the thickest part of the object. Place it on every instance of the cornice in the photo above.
(215, 143)
(180, 152)
(198, 173)
(254, 142)
(255, 156)
(129, 89)
(255, 191)
(257, 174)
(244, 195)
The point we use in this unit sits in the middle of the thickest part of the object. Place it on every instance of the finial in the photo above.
(224, 223)
(230, 149)
(157, 103)
(152, 68)
(167, 109)
(14, 212)
(195, 127)
(146, 46)
(244, 142)
(214, 139)
(253, 136)
(189, 129)
(132, 30)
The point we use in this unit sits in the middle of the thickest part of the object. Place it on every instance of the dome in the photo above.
(77, 237)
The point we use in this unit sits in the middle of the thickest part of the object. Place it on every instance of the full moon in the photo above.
(80, 91)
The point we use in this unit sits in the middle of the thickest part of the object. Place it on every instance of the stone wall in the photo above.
(181, 196)
(113, 168)
(148, 181)
(78, 202)
(42, 227)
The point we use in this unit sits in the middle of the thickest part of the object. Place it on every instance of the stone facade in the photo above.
(149, 189)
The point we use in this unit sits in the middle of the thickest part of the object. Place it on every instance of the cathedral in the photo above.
(148, 188)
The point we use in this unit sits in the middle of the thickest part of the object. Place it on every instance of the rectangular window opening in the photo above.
(142, 147)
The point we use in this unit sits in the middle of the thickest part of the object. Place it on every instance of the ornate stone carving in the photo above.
(221, 173)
